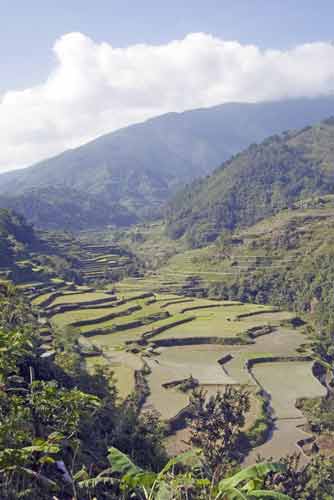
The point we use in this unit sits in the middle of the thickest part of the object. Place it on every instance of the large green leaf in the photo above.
(189, 457)
(143, 480)
(250, 473)
(122, 464)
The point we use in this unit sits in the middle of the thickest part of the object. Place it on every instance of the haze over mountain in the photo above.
(256, 183)
(129, 174)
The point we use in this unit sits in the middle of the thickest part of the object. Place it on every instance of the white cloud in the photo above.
(96, 88)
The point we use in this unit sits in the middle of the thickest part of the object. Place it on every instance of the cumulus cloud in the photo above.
(96, 88)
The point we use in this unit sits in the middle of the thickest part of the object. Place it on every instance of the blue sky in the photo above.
(28, 29)
(73, 70)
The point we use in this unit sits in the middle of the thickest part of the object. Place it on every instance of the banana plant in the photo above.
(168, 485)
(248, 483)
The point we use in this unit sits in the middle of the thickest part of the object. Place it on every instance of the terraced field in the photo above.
(276, 244)
(93, 255)
(142, 327)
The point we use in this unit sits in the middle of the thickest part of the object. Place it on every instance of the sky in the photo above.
(72, 70)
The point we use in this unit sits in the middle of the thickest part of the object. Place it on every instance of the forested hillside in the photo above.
(129, 174)
(16, 236)
(68, 209)
(256, 184)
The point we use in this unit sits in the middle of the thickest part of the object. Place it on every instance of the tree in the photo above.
(215, 426)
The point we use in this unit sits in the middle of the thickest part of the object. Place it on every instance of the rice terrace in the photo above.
(161, 339)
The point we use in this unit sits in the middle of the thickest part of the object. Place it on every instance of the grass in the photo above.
(217, 322)
(198, 303)
(33, 284)
(41, 298)
(209, 322)
(77, 298)
(125, 380)
(94, 313)
(131, 334)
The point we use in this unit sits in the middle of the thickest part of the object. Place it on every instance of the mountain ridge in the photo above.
(129, 175)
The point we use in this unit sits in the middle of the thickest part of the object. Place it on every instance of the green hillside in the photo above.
(16, 236)
(255, 184)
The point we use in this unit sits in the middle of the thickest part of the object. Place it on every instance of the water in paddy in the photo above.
(285, 382)
(201, 361)
(177, 363)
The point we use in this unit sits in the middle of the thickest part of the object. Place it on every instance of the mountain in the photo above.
(255, 184)
(128, 175)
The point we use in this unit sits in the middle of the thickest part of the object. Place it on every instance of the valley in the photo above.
(164, 329)
(156, 336)
(228, 296)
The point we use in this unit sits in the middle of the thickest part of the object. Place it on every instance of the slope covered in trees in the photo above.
(16, 236)
(129, 174)
(255, 184)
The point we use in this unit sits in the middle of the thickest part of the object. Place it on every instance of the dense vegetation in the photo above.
(129, 174)
(286, 260)
(256, 184)
(55, 207)
(16, 236)
(55, 419)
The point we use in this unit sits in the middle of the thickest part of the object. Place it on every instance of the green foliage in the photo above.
(15, 347)
(16, 236)
(68, 208)
(315, 481)
(181, 479)
(215, 426)
(56, 424)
